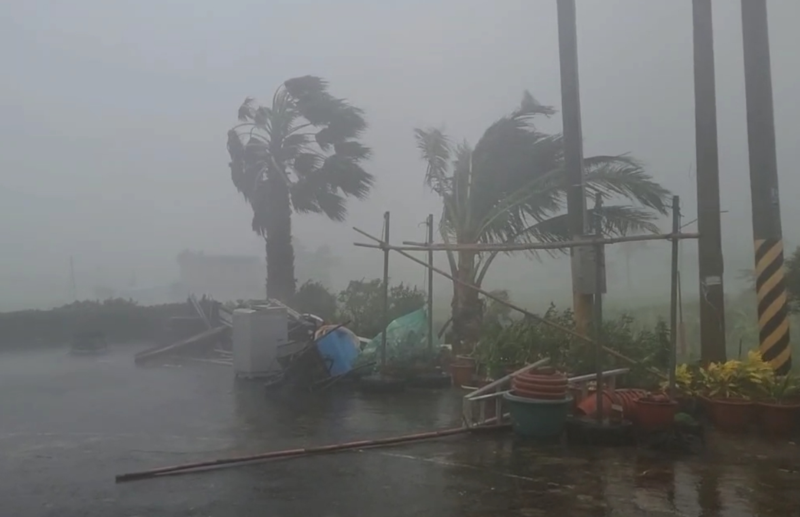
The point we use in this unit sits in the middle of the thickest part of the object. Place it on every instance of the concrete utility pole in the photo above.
(773, 320)
(709, 246)
(582, 286)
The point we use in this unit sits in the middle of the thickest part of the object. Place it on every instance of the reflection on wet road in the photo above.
(69, 424)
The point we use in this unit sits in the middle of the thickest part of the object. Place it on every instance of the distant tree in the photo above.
(301, 153)
(362, 303)
(313, 298)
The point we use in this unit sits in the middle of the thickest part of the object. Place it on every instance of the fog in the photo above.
(113, 120)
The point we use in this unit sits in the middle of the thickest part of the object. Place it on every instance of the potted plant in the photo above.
(655, 412)
(780, 405)
(728, 389)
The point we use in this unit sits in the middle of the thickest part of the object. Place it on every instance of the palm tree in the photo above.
(511, 187)
(300, 154)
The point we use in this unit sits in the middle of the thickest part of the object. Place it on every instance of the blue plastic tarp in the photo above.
(339, 350)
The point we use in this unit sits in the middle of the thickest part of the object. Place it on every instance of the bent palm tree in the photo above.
(511, 187)
(301, 153)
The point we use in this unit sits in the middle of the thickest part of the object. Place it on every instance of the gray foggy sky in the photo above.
(113, 118)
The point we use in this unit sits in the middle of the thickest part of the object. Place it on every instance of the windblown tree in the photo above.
(511, 188)
(300, 154)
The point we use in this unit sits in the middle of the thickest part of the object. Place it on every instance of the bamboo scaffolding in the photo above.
(294, 453)
(517, 308)
(531, 246)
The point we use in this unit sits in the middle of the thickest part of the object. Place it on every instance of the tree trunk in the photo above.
(280, 252)
(466, 307)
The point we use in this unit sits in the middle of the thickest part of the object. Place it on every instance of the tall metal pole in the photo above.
(385, 288)
(773, 320)
(598, 304)
(573, 153)
(709, 246)
(430, 283)
(673, 295)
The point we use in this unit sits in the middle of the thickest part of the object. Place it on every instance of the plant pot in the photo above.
(778, 420)
(731, 415)
(551, 386)
(652, 415)
(623, 397)
(462, 373)
(541, 419)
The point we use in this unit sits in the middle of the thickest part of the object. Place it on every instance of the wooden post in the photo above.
(673, 297)
(385, 289)
(598, 303)
(430, 283)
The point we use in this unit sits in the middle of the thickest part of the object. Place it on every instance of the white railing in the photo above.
(493, 393)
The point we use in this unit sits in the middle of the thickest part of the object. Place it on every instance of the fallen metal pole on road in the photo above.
(294, 453)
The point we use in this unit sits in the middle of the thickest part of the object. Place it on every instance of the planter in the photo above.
(779, 420)
(541, 386)
(731, 415)
(541, 419)
(462, 373)
(623, 397)
(655, 415)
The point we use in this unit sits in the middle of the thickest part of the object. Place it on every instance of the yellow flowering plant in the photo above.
(744, 379)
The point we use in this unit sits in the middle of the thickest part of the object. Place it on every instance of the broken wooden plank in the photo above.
(204, 338)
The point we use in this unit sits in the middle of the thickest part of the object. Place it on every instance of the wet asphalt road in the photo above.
(69, 424)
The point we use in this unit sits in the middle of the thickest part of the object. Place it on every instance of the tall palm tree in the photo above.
(302, 153)
(511, 187)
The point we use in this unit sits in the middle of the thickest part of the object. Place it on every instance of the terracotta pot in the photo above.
(731, 415)
(526, 382)
(654, 415)
(779, 420)
(623, 397)
(462, 373)
(542, 386)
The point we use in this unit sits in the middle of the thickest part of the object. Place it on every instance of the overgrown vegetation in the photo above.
(361, 303)
(524, 341)
(120, 320)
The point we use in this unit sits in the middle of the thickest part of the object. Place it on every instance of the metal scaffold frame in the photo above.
(595, 241)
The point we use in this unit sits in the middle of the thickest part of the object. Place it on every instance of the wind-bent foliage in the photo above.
(301, 153)
(511, 187)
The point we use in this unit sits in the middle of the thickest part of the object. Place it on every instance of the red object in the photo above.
(462, 373)
(655, 414)
(623, 397)
(542, 384)
(731, 415)
(779, 420)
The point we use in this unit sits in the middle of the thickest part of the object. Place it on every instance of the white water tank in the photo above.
(257, 334)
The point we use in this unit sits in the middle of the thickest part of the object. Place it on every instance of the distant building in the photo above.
(223, 277)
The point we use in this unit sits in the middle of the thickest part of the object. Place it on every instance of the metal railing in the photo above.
(493, 393)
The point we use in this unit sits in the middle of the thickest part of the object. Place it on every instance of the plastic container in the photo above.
(540, 419)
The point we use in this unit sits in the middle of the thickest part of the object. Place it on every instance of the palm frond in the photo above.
(246, 110)
(623, 176)
(332, 205)
(345, 174)
(306, 164)
(353, 150)
(434, 148)
(531, 107)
